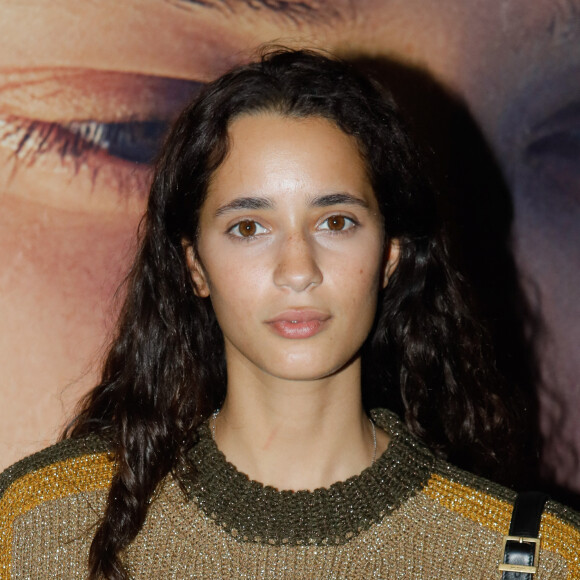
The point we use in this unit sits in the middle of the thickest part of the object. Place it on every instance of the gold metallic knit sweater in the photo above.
(408, 516)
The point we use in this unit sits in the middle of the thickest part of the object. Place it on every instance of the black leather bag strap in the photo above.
(519, 560)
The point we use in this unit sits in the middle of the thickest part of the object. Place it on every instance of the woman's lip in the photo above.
(298, 323)
(305, 329)
(299, 316)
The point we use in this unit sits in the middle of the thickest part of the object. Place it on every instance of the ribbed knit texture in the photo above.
(409, 515)
(322, 516)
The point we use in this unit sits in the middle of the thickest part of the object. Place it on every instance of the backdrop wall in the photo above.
(88, 88)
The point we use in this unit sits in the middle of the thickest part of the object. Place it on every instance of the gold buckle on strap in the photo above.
(514, 567)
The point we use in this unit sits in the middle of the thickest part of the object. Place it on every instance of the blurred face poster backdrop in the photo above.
(87, 90)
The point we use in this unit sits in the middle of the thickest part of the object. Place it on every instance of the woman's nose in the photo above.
(297, 267)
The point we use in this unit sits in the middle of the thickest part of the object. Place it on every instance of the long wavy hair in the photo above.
(165, 371)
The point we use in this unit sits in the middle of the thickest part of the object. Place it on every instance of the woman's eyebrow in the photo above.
(295, 10)
(249, 203)
(326, 200)
(338, 199)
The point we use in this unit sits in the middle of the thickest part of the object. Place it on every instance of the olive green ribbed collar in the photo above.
(257, 513)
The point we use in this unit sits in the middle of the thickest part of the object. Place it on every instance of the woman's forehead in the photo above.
(275, 156)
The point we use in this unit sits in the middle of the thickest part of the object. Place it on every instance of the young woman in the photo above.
(292, 277)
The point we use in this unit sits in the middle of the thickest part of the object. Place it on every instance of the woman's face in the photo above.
(291, 248)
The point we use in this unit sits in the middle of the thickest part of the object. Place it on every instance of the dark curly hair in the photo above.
(165, 371)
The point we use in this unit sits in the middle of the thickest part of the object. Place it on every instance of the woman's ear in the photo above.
(392, 255)
(198, 276)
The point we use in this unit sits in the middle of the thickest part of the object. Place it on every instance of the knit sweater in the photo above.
(409, 515)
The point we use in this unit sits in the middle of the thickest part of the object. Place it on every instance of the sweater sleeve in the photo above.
(48, 487)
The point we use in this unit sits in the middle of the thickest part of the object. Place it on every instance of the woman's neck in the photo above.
(297, 434)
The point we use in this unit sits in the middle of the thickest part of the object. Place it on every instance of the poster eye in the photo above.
(137, 141)
(554, 150)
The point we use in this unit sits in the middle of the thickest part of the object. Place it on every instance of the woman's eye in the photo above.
(337, 223)
(247, 229)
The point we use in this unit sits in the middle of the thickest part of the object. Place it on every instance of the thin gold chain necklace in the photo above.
(217, 412)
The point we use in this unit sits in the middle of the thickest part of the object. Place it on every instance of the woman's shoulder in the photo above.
(72, 466)
(465, 500)
(474, 499)
(49, 504)
(488, 502)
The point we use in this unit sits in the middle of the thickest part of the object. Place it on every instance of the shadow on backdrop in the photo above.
(477, 207)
